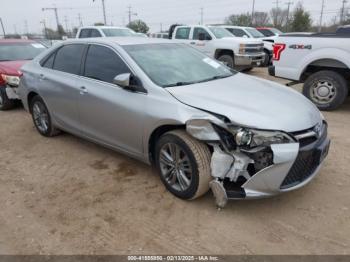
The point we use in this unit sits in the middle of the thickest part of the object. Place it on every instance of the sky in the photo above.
(24, 16)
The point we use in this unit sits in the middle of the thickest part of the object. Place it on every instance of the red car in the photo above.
(13, 54)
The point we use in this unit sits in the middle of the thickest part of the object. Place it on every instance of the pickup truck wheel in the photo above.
(266, 61)
(326, 89)
(41, 118)
(183, 164)
(5, 102)
(227, 60)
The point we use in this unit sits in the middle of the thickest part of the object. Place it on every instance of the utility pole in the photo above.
(202, 14)
(161, 27)
(26, 30)
(3, 28)
(277, 3)
(80, 19)
(104, 11)
(288, 10)
(43, 22)
(343, 12)
(130, 13)
(321, 17)
(56, 15)
(253, 12)
(66, 23)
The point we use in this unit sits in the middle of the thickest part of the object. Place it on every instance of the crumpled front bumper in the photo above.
(12, 92)
(293, 167)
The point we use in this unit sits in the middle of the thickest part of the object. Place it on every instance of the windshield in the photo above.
(176, 64)
(110, 32)
(20, 51)
(220, 32)
(255, 33)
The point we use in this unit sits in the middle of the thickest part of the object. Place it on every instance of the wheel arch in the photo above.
(330, 64)
(156, 134)
(30, 97)
(220, 51)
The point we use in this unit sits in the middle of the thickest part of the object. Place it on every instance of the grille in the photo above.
(303, 167)
(254, 48)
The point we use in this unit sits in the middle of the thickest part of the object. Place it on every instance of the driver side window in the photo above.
(199, 30)
(103, 64)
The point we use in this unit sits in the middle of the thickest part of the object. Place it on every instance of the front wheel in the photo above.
(41, 118)
(227, 60)
(326, 89)
(5, 102)
(183, 164)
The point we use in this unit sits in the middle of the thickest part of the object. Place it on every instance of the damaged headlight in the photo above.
(255, 138)
(10, 80)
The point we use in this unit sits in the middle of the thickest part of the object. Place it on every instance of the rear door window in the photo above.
(68, 58)
(103, 64)
(85, 33)
(95, 33)
(199, 30)
(183, 33)
(238, 32)
(49, 61)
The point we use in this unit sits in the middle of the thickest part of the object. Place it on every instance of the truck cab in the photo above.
(104, 31)
(238, 53)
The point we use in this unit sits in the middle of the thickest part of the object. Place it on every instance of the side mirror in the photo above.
(129, 82)
(201, 36)
(122, 80)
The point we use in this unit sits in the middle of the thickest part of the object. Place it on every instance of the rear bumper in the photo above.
(249, 59)
(272, 71)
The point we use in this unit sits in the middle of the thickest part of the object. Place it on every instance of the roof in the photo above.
(15, 40)
(103, 27)
(121, 40)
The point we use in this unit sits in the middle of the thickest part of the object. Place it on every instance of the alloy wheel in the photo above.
(41, 117)
(175, 166)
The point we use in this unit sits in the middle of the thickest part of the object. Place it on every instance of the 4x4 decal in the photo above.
(301, 47)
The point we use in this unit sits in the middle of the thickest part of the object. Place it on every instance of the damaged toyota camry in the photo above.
(202, 125)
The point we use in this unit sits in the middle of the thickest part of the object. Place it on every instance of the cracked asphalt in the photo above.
(64, 195)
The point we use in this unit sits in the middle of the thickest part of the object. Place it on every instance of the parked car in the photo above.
(320, 61)
(104, 31)
(251, 32)
(201, 124)
(238, 53)
(345, 29)
(13, 54)
(269, 31)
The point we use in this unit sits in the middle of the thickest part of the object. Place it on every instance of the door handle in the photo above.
(83, 90)
(42, 77)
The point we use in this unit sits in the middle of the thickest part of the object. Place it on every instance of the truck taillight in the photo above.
(277, 51)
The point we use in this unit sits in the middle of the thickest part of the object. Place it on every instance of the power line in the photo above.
(277, 3)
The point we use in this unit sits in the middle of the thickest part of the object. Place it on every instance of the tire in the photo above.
(246, 70)
(41, 114)
(266, 61)
(227, 60)
(326, 89)
(199, 158)
(5, 102)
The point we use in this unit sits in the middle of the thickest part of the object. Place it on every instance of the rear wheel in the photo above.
(183, 164)
(326, 89)
(41, 118)
(5, 102)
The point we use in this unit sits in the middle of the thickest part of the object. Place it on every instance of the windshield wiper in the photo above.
(213, 78)
(179, 84)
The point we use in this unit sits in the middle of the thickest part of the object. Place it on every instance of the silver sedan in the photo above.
(202, 125)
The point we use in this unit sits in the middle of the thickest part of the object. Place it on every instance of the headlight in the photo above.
(11, 80)
(255, 138)
(242, 49)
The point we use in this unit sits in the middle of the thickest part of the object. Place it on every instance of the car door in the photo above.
(205, 45)
(110, 114)
(58, 85)
(183, 34)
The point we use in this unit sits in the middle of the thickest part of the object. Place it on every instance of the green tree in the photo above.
(301, 20)
(138, 26)
(239, 20)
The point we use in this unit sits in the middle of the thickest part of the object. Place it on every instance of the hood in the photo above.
(251, 102)
(11, 67)
(243, 40)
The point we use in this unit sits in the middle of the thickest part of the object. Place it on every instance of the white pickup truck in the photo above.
(320, 61)
(236, 52)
